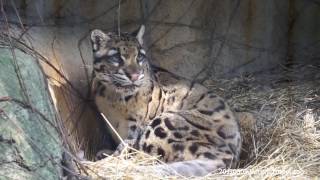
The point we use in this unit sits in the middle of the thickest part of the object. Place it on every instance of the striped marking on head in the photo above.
(112, 52)
(142, 51)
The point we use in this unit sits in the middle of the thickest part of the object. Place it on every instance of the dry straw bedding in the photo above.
(284, 142)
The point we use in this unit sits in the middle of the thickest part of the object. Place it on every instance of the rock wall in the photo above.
(30, 136)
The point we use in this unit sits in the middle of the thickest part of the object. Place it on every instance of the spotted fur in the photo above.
(186, 125)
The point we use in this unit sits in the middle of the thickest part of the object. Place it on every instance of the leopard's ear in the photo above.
(99, 39)
(139, 34)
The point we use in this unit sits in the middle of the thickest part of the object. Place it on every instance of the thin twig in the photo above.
(119, 16)
(113, 129)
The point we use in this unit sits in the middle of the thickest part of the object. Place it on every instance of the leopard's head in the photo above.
(119, 60)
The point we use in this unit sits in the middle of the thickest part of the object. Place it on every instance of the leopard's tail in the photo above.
(191, 168)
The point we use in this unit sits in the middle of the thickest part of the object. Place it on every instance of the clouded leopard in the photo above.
(189, 127)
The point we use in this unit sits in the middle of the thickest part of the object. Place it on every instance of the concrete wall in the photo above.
(186, 35)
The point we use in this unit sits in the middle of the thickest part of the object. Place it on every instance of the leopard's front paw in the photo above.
(124, 146)
(103, 154)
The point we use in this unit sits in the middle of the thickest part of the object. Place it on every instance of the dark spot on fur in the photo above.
(201, 97)
(205, 144)
(177, 135)
(228, 152)
(144, 146)
(185, 128)
(194, 124)
(226, 116)
(226, 161)
(195, 133)
(133, 127)
(132, 119)
(147, 148)
(127, 98)
(160, 132)
(147, 134)
(160, 95)
(221, 133)
(212, 96)
(191, 139)
(178, 147)
(155, 122)
(193, 148)
(221, 107)
(161, 152)
(172, 140)
(136, 144)
(209, 113)
(222, 145)
(209, 155)
(211, 140)
(216, 120)
(169, 124)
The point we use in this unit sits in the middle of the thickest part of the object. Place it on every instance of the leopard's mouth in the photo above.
(127, 87)
(133, 86)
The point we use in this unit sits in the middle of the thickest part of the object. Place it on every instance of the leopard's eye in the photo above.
(115, 60)
(141, 58)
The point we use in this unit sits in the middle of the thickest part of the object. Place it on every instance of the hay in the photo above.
(284, 142)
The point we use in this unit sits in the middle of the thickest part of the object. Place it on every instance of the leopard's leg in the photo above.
(133, 132)
(131, 141)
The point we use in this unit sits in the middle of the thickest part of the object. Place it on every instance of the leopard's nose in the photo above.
(133, 76)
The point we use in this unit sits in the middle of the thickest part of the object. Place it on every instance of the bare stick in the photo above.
(119, 8)
(114, 130)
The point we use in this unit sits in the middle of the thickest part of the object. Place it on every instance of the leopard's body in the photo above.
(189, 127)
